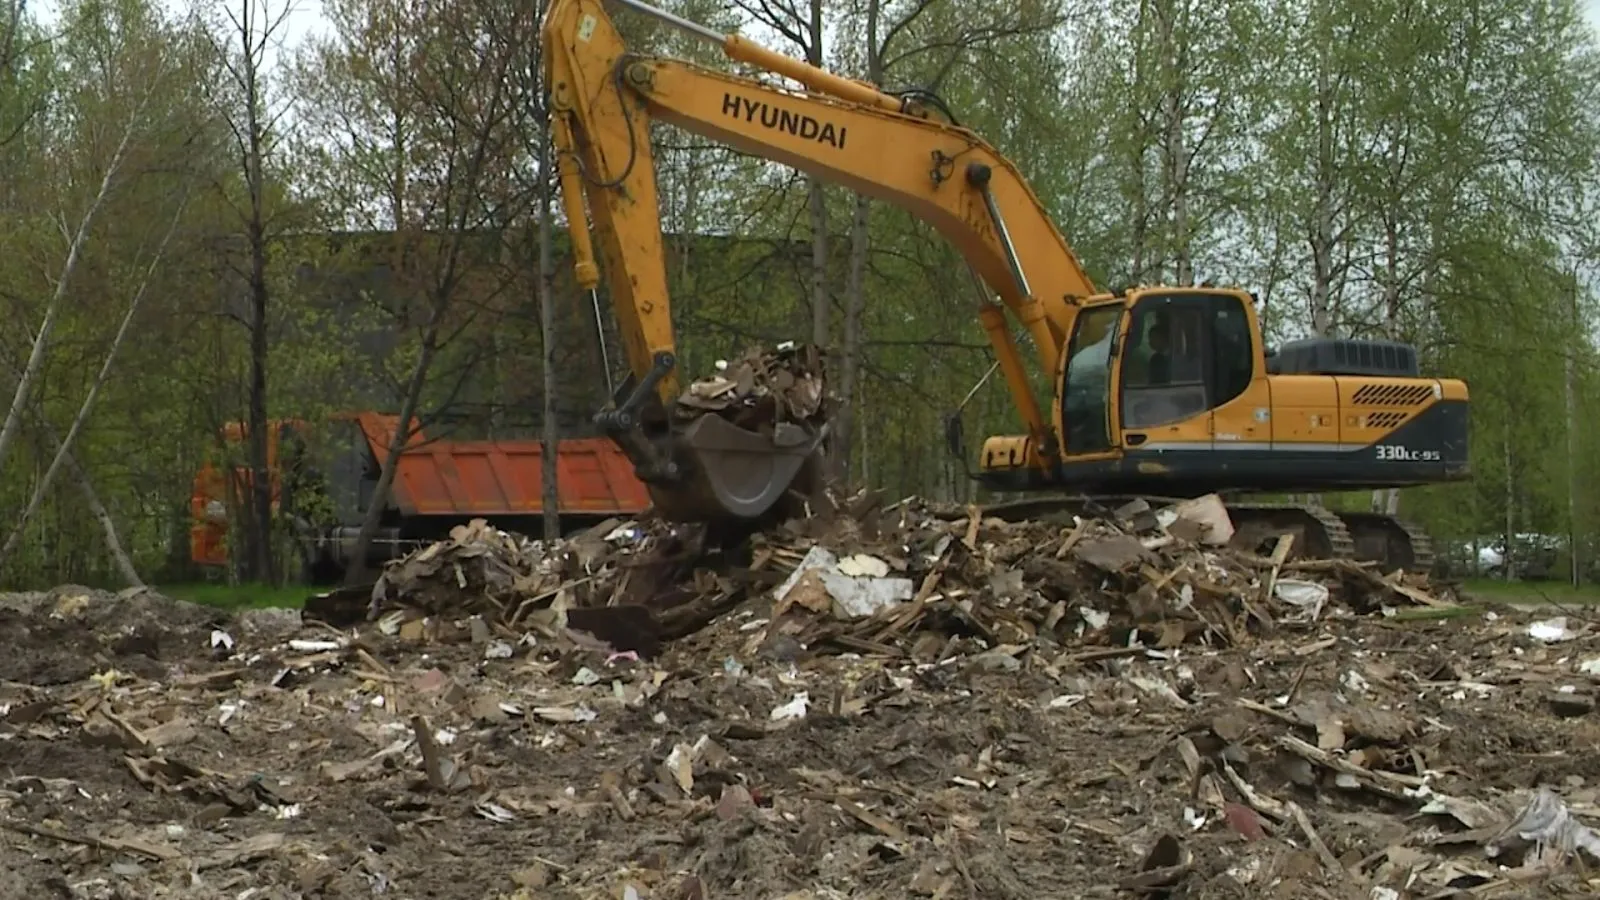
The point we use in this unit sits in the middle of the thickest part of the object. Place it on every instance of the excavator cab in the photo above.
(1153, 385)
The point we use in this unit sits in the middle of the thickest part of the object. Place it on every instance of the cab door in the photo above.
(1241, 412)
(1191, 371)
(1165, 392)
(1088, 416)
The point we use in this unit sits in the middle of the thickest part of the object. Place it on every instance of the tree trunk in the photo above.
(108, 526)
(850, 353)
(253, 31)
(97, 509)
(844, 420)
(357, 569)
(1136, 192)
(1321, 237)
(1511, 502)
(817, 204)
(551, 437)
(1174, 148)
(1572, 436)
(1387, 500)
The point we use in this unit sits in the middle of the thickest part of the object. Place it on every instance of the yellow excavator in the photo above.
(1159, 391)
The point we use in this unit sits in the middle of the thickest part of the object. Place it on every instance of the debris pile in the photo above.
(1366, 757)
(482, 570)
(904, 579)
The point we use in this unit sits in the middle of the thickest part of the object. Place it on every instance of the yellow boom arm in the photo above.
(840, 130)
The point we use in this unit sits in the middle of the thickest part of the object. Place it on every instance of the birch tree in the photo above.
(115, 106)
(63, 451)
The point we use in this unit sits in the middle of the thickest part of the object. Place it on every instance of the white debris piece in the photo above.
(794, 709)
(1551, 630)
(1307, 596)
(862, 565)
(853, 595)
(1210, 513)
(1545, 824)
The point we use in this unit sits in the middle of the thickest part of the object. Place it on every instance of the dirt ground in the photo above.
(155, 749)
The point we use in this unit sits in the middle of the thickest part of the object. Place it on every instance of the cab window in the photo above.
(1184, 356)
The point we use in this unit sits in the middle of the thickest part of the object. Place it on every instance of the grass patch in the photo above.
(1530, 593)
(239, 596)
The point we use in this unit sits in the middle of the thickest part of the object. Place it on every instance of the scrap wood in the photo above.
(443, 774)
(1396, 583)
(131, 736)
(1392, 784)
(250, 849)
(904, 619)
(1203, 785)
(994, 580)
(116, 845)
(571, 737)
(1320, 847)
(1166, 864)
(1254, 706)
(870, 819)
(1072, 538)
(1258, 801)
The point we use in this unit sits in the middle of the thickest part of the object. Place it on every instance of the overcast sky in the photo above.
(308, 17)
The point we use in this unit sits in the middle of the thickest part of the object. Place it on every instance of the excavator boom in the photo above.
(604, 100)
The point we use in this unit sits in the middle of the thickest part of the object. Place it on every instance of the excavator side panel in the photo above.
(1245, 422)
(1305, 413)
(1372, 408)
(1193, 434)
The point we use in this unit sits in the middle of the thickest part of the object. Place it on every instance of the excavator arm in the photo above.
(603, 100)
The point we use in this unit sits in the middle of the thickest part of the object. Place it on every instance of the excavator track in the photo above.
(1421, 547)
(1319, 533)
(1394, 543)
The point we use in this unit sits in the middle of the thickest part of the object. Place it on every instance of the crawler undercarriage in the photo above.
(1319, 533)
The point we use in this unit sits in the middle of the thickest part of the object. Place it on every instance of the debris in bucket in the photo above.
(896, 700)
(761, 387)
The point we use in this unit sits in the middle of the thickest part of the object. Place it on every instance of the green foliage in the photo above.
(237, 596)
(1371, 167)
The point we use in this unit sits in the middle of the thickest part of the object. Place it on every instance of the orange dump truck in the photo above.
(324, 478)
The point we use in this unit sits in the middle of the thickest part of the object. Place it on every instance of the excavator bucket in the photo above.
(729, 472)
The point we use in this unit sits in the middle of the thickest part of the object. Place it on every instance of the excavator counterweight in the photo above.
(1162, 390)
